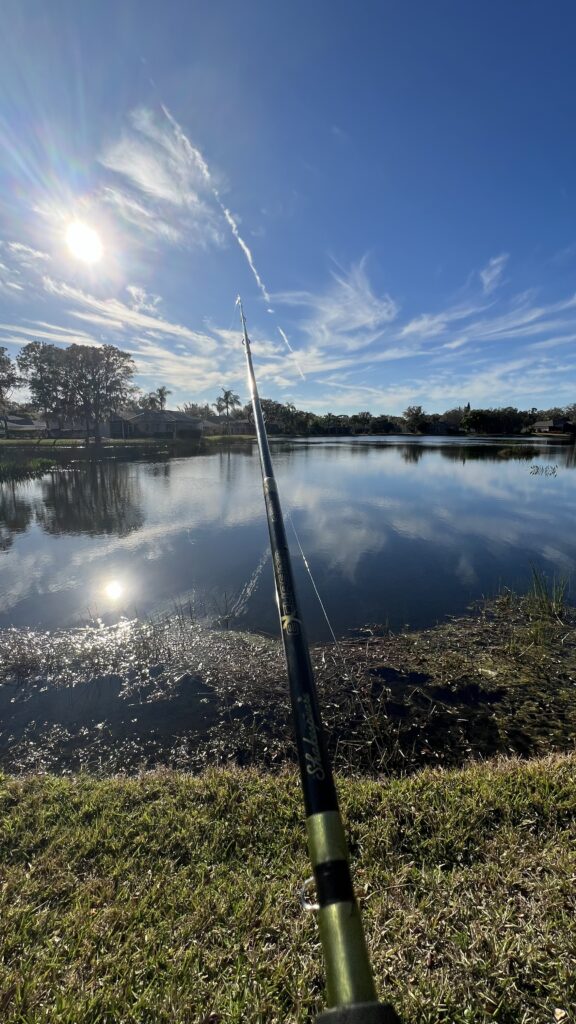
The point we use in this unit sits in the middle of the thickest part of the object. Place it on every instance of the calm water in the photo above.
(396, 532)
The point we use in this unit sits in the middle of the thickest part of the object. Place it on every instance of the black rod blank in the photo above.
(351, 992)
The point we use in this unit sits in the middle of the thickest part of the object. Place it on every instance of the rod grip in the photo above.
(360, 1013)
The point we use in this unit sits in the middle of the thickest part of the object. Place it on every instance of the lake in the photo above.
(395, 530)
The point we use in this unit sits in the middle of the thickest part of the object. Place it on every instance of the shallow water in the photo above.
(396, 531)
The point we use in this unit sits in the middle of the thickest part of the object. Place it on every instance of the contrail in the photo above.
(197, 158)
(244, 247)
(290, 349)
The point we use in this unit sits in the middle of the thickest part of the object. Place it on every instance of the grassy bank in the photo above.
(174, 899)
(76, 442)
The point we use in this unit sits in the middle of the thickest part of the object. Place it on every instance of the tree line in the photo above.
(285, 418)
(87, 384)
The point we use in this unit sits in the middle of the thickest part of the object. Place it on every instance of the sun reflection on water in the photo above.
(114, 590)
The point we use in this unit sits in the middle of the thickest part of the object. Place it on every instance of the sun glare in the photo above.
(114, 590)
(83, 242)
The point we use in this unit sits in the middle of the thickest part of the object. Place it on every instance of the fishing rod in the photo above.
(351, 993)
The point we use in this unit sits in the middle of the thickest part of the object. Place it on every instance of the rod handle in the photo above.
(360, 1013)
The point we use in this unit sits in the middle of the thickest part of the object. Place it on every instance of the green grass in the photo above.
(172, 898)
(75, 442)
(27, 470)
(42, 442)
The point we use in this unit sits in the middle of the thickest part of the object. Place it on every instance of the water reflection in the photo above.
(99, 498)
(114, 590)
(403, 532)
(16, 513)
(411, 452)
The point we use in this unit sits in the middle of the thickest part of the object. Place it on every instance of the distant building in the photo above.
(555, 426)
(21, 425)
(224, 426)
(163, 424)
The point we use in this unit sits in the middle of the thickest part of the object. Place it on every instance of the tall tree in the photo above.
(415, 418)
(99, 382)
(42, 366)
(8, 376)
(8, 379)
(225, 402)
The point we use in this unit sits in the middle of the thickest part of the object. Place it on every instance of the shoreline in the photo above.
(172, 693)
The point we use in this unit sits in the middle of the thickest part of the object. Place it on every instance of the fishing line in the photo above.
(317, 592)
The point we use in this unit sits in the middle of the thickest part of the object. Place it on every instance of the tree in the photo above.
(8, 379)
(149, 402)
(8, 376)
(415, 418)
(43, 368)
(194, 409)
(225, 402)
(162, 394)
(360, 422)
(98, 382)
(452, 418)
(382, 425)
(507, 420)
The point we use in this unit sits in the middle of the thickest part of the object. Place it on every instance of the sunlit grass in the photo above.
(174, 899)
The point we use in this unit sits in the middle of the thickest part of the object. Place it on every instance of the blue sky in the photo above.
(389, 185)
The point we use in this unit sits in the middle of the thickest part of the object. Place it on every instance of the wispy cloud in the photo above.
(348, 316)
(22, 334)
(26, 255)
(165, 191)
(9, 280)
(198, 162)
(431, 325)
(120, 316)
(142, 217)
(169, 179)
(491, 275)
(142, 301)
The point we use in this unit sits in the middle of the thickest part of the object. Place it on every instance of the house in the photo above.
(153, 423)
(227, 426)
(17, 424)
(238, 426)
(555, 426)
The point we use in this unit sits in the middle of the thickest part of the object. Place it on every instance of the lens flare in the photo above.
(84, 242)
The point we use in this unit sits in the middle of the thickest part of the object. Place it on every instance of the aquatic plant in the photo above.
(547, 599)
(28, 470)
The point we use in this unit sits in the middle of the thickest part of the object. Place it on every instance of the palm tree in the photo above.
(162, 394)
(225, 402)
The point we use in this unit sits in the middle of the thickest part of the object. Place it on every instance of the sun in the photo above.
(84, 242)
